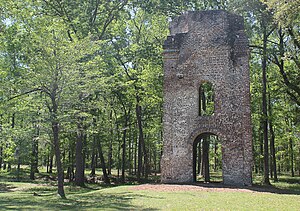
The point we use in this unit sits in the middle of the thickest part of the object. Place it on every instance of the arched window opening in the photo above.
(206, 99)
(207, 158)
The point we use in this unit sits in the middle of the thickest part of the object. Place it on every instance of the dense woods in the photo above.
(81, 86)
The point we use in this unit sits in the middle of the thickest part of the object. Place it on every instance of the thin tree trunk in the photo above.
(130, 152)
(266, 179)
(110, 144)
(48, 162)
(79, 157)
(215, 156)
(272, 144)
(93, 159)
(292, 157)
(136, 172)
(199, 158)
(205, 158)
(34, 154)
(1, 154)
(155, 159)
(51, 162)
(127, 116)
(299, 163)
(119, 151)
(103, 166)
(34, 158)
(142, 146)
(19, 164)
(69, 173)
(1, 148)
(60, 172)
(56, 144)
(261, 148)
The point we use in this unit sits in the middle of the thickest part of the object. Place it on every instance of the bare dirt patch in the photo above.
(171, 188)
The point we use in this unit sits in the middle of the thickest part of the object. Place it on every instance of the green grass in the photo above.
(19, 196)
(42, 195)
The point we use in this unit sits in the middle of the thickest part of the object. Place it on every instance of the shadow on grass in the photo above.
(291, 190)
(6, 187)
(100, 201)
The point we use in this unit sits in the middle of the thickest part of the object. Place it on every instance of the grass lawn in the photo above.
(15, 196)
(41, 195)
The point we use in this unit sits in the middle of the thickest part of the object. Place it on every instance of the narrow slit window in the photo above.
(206, 99)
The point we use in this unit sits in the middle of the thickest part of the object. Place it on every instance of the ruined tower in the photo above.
(207, 46)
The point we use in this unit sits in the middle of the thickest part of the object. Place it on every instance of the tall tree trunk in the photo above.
(79, 157)
(110, 149)
(155, 159)
(1, 159)
(119, 152)
(51, 162)
(69, 173)
(93, 159)
(103, 166)
(34, 154)
(127, 116)
(292, 156)
(48, 162)
(19, 167)
(272, 143)
(266, 179)
(60, 172)
(13, 126)
(215, 156)
(130, 150)
(34, 158)
(299, 163)
(55, 131)
(1, 147)
(205, 158)
(136, 146)
(261, 148)
(199, 158)
(142, 146)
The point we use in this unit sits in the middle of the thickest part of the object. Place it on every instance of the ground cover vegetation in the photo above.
(81, 91)
(41, 194)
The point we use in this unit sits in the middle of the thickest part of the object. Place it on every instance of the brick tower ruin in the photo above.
(207, 46)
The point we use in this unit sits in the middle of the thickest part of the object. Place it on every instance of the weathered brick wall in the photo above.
(207, 46)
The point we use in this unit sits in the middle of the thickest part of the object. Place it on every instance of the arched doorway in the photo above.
(207, 158)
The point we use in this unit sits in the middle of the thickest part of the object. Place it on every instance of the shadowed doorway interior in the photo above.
(207, 158)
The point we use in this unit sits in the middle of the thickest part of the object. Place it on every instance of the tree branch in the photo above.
(25, 93)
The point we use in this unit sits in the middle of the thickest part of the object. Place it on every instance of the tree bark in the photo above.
(105, 175)
(55, 131)
(266, 179)
(51, 163)
(205, 158)
(215, 156)
(93, 159)
(141, 145)
(1, 154)
(34, 154)
(136, 171)
(110, 144)
(292, 156)
(272, 144)
(60, 173)
(79, 157)
(127, 116)
(199, 158)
